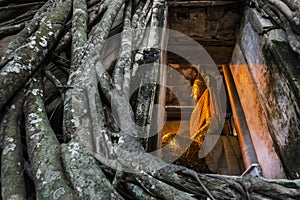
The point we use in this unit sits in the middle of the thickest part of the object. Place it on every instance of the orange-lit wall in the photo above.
(255, 117)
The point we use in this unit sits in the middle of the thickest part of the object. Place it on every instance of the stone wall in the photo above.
(206, 23)
(214, 27)
(267, 75)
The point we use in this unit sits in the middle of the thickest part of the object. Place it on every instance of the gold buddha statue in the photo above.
(199, 123)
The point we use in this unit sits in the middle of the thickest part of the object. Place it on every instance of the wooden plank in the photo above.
(161, 98)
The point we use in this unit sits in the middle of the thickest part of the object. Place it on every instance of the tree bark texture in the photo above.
(43, 148)
(29, 29)
(12, 179)
(28, 57)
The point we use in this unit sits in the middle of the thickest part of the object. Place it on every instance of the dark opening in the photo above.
(216, 29)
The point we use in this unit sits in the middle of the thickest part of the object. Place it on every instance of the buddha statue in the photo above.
(199, 123)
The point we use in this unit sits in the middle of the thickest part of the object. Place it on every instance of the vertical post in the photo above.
(154, 42)
(162, 82)
(247, 148)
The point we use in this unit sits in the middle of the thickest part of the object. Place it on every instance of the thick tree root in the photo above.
(12, 177)
(85, 174)
(22, 37)
(43, 148)
(28, 57)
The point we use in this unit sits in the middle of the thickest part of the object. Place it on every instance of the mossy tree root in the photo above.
(12, 177)
(28, 57)
(43, 148)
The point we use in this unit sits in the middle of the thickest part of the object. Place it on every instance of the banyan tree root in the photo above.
(124, 60)
(101, 29)
(93, 17)
(96, 12)
(30, 28)
(85, 173)
(76, 102)
(12, 177)
(79, 32)
(43, 148)
(139, 24)
(27, 58)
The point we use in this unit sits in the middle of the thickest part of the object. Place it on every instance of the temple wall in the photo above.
(267, 76)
